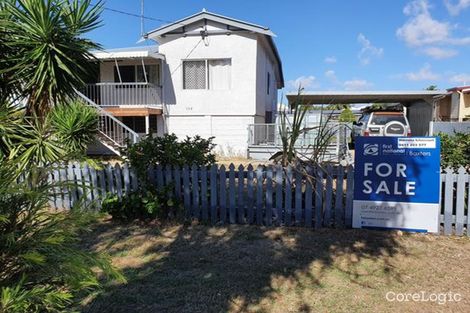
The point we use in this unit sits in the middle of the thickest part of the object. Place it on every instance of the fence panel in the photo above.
(266, 196)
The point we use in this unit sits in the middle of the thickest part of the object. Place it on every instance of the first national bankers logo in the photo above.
(371, 149)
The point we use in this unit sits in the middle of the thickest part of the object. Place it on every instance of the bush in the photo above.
(42, 265)
(455, 150)
(347, 116)
(167, 150)
(143, 205)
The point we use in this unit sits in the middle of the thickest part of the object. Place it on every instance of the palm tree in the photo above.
(44, 55)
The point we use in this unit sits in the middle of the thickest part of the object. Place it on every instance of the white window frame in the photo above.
(206, 64)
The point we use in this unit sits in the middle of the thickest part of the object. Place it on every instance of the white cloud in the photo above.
(330, 60)
(440, 53)
(461, 79)
(422, 30)
(424, 73)
(368, 51)
(356, 84)
(305, 82)
(330, 74)
(455, 8)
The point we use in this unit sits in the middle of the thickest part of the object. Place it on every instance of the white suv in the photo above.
(382, 123)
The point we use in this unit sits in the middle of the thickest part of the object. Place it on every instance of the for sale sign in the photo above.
(397, 183)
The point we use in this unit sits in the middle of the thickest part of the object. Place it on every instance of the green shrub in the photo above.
(167, 150)
(42, 265)
(143, 205)
(455, 150)
(347, 116)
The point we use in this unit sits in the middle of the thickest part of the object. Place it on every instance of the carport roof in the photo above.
(334, 97)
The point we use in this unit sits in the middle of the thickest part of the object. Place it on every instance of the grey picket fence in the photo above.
(318, 197)
(266, 195)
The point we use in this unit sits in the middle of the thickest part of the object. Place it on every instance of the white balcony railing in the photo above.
(117, 94)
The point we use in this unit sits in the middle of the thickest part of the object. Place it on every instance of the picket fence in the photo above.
(266, 195)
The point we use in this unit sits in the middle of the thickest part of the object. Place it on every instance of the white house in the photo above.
(209, 75)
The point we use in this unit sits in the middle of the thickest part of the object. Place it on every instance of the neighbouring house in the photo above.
(208, 75)
(454, 106)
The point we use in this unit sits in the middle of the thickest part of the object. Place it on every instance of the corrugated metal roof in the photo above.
(129, 53)
(360, 96)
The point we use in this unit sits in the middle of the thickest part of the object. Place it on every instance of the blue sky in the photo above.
(334, 44)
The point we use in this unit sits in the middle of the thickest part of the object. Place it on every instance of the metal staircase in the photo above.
(112, 133)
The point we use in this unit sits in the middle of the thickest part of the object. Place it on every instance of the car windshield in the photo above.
(382, 119)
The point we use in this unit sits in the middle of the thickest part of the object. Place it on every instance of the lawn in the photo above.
(201, 268)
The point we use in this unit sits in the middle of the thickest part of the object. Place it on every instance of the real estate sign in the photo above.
(396, 183)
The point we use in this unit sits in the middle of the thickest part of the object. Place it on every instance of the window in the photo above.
(136, 123)
(127, 73)
(268, 83)
(212, 74)
(152, 72)
(194, 73)
(135, 73)
(382, 119)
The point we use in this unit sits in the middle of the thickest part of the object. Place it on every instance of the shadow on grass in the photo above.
(232, 268)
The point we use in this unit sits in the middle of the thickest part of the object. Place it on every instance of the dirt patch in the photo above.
(255, 269)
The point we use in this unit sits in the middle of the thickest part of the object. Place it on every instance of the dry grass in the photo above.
(226, 161)
(250, 269)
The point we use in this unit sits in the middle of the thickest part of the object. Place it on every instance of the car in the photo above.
(381, 123)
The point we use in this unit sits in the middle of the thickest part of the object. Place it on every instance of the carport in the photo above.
(422, 105)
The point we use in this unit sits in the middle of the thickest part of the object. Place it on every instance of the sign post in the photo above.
(397, 183)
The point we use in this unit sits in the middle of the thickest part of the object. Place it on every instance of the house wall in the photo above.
(224, 114)
(464, 107)
(230, 132)
(444, 108)
(265, 102)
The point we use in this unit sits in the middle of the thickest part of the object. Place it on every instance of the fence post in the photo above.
(134, 179)
(259, 195)
(177, 179)
(168, 180)
(65, 190)
(223, 194)
(78, 181)
(459, 209)
(278, 211)
(213, 182)
(127, 180)
(298, 197)
(109, 176)
(250, 194)
(448, 200)
(269, 196)
(349, 196)
(241, 198)
(186, 195)
(94, 191)
(319, 198)
(118, 177)
(231, 194)
(195, 190)
(204, 206)
(339, 212)
(102, 182)
(328, 196)
(159, 173)
(288, 193)
(309, 196)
